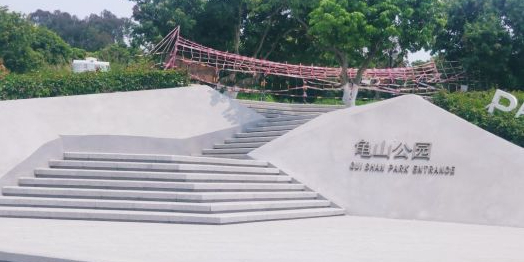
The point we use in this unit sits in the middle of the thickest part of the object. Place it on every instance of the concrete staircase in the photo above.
(224, 186)
(280, 119)
(161, 188)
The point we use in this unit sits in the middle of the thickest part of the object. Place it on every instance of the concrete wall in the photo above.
(176, 121)
(486, 187)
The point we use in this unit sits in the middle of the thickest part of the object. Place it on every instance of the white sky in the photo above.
(420, 55)
(80, 8)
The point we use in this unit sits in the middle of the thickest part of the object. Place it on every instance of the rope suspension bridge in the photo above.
(206, 65)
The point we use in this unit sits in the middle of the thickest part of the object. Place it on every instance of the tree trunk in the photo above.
(349, 96)
(355, 82)
(238, 28)
(266, 31)
(236, 41)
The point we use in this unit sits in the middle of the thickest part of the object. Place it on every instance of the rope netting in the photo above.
(206, 65)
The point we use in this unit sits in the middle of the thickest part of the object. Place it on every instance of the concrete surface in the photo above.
(66, 192)
(278, 118)
(486, 187)
(175, 121)
(334, 239)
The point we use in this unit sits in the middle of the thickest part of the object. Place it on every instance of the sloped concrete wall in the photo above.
(142, 120)
(485, 186)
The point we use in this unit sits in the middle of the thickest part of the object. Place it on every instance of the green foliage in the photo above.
(3, 70)
(16, 86)
(78, 53)
(262, 29)
(53, 49)
(472, 107)
(158, 17)
(487, 36)
(16, 36)
(359, 31)
(117, 54)
(92, 33)
(25, 47)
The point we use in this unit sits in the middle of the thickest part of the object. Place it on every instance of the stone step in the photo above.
(160, 159)
(162, 206)
(261, 134)
(239, 145)
(272, 104)
(138, 166)
(277, 113)
(285, 109)
(231, 156)
(249, 139)
(227, 151)
(164, 217)
(290, 118)
(156, 176)
(282, 123)
(270, 128)
(155, 195)
(271, 115)
(157, 185)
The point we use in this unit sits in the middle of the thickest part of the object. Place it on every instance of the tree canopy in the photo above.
(91, 33)
(358, 32)
(25, 47)
(487, 37)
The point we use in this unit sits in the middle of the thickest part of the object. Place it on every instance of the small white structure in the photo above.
(89, 64)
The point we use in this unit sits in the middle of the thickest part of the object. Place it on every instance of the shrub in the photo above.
(471, 106)
(16, 86)
(3, 70)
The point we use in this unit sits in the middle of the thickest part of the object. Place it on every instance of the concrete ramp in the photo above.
(405, 158)
(175, 121)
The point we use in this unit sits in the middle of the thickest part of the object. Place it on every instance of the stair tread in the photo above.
(282, 123)
(124, 215)
(71, 183)
(286, 109)
(254, 102)
(233, 156)
(79, 203)
(162, 176)
(155, 158)
(239, 145)
(155, 195)
(261, 134)
(159, 167)
(250, 139)
(227, 150)
(271, 128)
(290, 118)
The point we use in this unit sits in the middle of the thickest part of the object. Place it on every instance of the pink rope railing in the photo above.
(423, 78)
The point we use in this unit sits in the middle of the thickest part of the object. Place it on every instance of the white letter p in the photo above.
(496, 102)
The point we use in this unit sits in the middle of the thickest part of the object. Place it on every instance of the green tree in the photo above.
(157, 18)
(487, 37)
(53, 49)
(118, 54)
(251, 27)
(16, 36)
(91, 33)
(3, 70)
(25, 47)
(358, 32)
